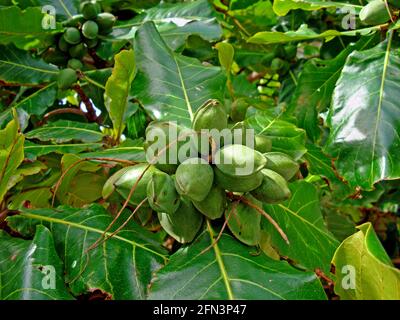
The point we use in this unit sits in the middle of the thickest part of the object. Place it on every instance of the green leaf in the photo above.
(282, 7)
(33, 150)
(315, 87)
(364, 117)
(304, 34)
(319, 163)
(128, 150)
(96, 82)
(171, 86)
(64, 131)
(117, 90)
(230, 270)
(311, 244)
(285, 136)
(27, 268)
(18, 66)
(362, 257)
(39, 197)
(121, 267)
(11, 154)
(24, 28)
(175, 22)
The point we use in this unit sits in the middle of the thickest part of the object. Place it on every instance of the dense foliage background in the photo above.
(325, 93)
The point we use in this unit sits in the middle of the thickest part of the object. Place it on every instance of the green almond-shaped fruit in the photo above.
(123, 180)
(239, 109)
(63, 45)
(277, 64)
(374, 13)
(105, 21)
(90, 9)
(290, 51)
(66, 78)
(72, 35)
(282, 164)
(194, 179)
(214, 204)
(161, 193)
(239, 160)
(238, 184)
(75, 21)
(184, 223)
(78, 51)
(241, 134)
(75, 64)
(273, 189)
(91, 43)
(211, 115)
(244, 221)
(90, 30)
(263, 144)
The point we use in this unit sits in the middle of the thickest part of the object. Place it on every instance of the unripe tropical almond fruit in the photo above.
(66, 78)
(211, 115)
(238, 160)
(105, 21)
(75, 64)
(273, 189)
(75, 21)
(63, 45)
(282, 164)
(72, 35)
(245, 221)
(123, 180)
(161, 193)
(374, 13)
(78, 51)
(263, 143)
(214, 204)
(184, 223)
(238, 183)
(90, 9)
(90, 30)
(194, 179)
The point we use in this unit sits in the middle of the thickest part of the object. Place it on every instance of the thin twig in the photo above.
(91, 112)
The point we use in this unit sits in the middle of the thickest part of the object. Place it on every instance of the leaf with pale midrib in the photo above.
(65, 131)
(230, 270)
(21, 266)
(121, 266)
(18, 66)
(171, 86)
(365, 117)
(311, 244)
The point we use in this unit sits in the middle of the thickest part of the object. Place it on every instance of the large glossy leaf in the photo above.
(64, 131)
(282, 7)
(11, 154)
(315, 88)
(169, 85)
(285, 136)
(31, 269)
(175, 22)
(365, 117)
(230, 270)
(33, 150)
(18, 66)
(23, 28)
(303, 34)
(120, 267)
(128, 150)
(311, 244)
(363, 269)
(117, 90)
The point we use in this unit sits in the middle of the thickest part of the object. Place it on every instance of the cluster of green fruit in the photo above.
(377, 12)
(283, 55)
(183, 193)
(81, 33)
